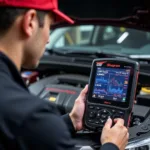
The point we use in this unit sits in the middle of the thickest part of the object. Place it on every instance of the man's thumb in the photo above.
(108, 123)
(84, 91)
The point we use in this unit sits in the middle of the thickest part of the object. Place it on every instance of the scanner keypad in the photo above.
(99, 115)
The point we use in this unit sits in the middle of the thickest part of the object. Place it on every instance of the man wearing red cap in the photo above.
(26, 121)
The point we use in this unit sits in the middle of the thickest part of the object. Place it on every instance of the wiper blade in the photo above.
(65, 52)
(99, 53)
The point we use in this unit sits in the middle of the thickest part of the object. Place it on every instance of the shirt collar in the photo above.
(9, 67)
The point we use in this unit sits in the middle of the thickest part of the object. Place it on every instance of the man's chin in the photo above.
(31, 66)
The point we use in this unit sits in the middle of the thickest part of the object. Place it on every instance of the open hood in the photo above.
(129, 13)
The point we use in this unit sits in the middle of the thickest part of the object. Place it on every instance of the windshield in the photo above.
(106, 38)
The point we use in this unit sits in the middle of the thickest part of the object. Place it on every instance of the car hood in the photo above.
(129, 13)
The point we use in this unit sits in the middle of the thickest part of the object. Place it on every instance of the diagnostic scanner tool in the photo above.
(112, 88)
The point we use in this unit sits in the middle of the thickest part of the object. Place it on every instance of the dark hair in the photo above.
(8, 16)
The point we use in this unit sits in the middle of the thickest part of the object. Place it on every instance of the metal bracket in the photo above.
(141, 129)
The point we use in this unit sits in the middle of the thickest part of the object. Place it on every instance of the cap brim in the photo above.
(62, 17)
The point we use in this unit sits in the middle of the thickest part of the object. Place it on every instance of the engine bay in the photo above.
(63, 88)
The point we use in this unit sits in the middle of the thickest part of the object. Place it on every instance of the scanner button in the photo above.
(102, 121)
(91, 107)
(113, 110)
(104, 116)
(121, 112)
(91, 114)
(97, 122)
(98, 108)
(104, 111)
(90, 121)
(98, 115)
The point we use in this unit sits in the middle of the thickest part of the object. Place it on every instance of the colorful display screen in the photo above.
(111, 84)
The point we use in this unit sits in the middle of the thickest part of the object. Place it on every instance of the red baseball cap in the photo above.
(51, 5)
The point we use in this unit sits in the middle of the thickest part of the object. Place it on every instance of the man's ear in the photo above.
(29, 22)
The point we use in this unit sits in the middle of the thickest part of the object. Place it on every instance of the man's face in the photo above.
(35, 46)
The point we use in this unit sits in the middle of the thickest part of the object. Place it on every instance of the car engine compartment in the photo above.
(63, 91)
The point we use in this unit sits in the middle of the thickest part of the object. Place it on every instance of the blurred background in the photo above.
(101, 8)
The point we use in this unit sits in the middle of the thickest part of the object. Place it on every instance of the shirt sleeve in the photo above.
(109, 146)
(45, 130)
(69, 123)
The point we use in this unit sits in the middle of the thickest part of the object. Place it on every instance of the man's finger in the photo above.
(119, 121)
(82, 96)
(108, 123)
(84, 92)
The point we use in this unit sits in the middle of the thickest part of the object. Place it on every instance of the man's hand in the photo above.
(77, 112)
(117, 135)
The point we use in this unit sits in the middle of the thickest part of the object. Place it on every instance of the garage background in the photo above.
(101, 8)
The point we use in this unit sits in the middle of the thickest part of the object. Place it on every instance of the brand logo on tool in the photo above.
(113, 65)
(100, 63)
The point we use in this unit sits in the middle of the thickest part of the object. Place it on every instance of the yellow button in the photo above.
(146, 90)
(53, 99)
